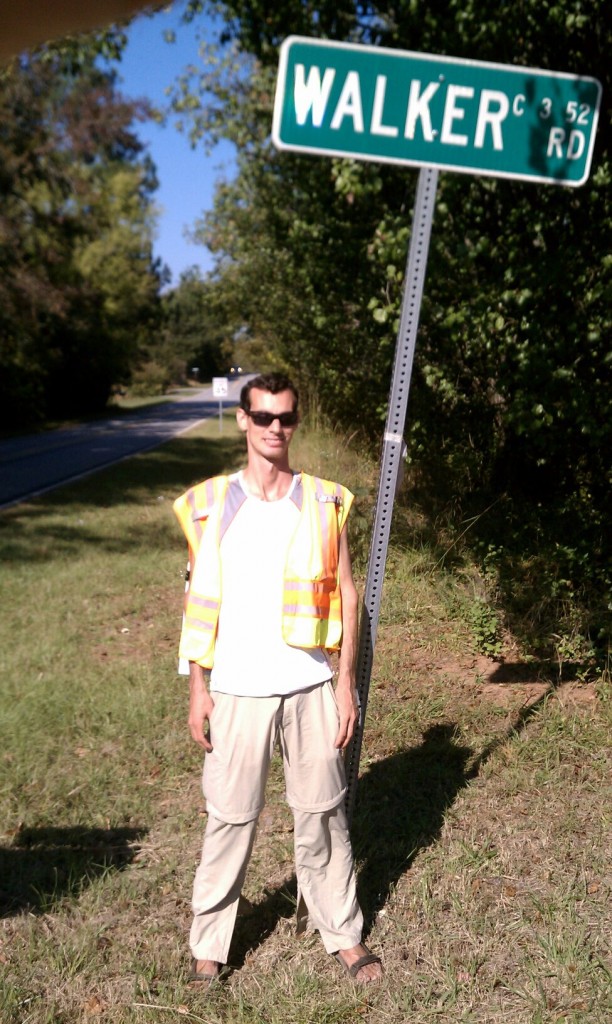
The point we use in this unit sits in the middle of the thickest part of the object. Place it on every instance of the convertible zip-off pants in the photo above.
(244, 732)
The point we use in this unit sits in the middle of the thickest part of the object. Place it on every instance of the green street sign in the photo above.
(371, 103)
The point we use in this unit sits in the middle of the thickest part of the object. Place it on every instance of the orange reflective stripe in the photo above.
(305, 598)
(309, 586)
(328, 497)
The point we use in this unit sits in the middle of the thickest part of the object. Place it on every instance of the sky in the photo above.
(186, 177)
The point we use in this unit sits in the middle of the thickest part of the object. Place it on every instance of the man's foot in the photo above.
(362, 965)
(204, 972)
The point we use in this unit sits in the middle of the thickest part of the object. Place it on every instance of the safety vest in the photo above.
(312, 604)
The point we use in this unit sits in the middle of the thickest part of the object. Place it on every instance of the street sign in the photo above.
(435, 113)
(372, 103)
(219, 387)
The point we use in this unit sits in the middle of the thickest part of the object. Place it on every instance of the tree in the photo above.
(194, 332)
(78, 283)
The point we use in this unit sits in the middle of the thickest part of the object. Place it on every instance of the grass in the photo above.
(481, 831)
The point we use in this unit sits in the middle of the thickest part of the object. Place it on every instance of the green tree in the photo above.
(194, 330)
(78, 283)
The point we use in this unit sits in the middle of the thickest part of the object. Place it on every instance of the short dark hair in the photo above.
(274, 383)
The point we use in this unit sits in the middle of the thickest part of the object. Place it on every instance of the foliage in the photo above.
(512, 392)
(78, 285)
(193, 332)
(150, 378)
(485, 628)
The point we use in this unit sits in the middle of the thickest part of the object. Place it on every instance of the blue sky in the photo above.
(186, 177)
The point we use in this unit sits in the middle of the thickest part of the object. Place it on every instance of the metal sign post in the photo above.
(414, 281)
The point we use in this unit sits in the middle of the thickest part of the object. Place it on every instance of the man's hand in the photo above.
(346, 699)
(200, 706)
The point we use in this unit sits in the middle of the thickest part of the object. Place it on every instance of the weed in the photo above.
(486, 629)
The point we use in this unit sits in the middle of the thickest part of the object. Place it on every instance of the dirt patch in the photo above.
(506, 682)
(137, 637)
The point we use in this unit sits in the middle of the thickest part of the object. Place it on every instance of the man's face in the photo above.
(270, 441)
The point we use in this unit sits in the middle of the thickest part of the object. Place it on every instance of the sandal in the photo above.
(202, 977)
(363, 961)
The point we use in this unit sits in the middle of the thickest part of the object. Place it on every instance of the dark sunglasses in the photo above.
(266, 419)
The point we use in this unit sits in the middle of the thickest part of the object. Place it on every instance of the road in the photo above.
(36, 463)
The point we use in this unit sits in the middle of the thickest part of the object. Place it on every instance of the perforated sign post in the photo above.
(435, 113)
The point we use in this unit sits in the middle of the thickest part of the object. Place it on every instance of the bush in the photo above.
(150, 379)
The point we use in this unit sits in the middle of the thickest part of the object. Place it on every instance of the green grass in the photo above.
(482, 829)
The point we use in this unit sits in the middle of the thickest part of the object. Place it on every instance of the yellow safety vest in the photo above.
(312, 604)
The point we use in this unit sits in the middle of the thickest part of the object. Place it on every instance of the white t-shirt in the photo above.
(251, 658)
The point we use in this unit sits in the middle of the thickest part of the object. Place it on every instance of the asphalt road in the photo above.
(36, 463)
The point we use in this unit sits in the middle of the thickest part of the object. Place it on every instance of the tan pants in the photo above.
(244, 732)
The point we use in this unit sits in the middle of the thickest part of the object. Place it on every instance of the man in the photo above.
(271, 591)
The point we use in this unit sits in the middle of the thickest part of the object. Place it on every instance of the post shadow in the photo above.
(44, 865)
(401, 804)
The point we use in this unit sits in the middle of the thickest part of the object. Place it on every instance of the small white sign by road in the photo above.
(219, 386)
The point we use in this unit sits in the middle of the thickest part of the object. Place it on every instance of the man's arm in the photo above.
(200, 701)
(200, 705)
(346, 692)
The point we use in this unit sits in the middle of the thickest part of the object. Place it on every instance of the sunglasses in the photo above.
(266, 419)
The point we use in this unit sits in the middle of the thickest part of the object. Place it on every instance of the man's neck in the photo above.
(267, 481)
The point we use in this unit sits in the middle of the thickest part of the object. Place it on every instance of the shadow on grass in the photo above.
(175, 465)
(261, 920)
(139, 481)
(544, 672)
(44, 865)
(401, 804)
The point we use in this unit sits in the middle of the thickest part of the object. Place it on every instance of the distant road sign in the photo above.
(219, 387)
(371, 103)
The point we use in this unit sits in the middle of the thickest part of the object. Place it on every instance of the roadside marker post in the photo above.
(219, 389)
(434, 113)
